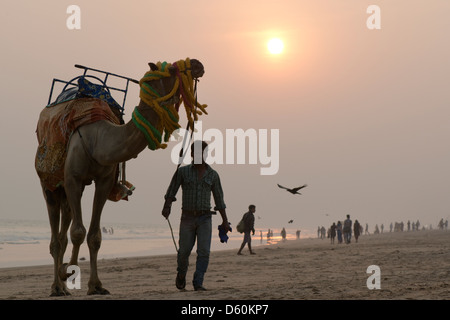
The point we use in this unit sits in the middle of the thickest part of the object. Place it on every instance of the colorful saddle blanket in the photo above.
(55, 127)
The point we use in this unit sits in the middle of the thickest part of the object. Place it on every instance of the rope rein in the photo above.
(171, 231)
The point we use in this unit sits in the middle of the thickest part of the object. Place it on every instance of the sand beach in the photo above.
(412, 265)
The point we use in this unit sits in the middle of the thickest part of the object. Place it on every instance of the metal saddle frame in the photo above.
(73, 83)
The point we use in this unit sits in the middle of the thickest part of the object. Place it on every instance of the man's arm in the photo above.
(220, 204)
(171, 192)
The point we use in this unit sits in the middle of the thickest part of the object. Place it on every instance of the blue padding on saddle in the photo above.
(66, 95)
(89, 89)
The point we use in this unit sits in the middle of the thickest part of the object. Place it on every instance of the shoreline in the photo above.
(414, 265)
(34, 250)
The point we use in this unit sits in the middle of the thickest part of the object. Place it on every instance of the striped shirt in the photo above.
(196, 192)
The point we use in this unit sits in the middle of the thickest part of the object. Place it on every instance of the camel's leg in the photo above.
(66, 219)
(94, 238)
(53, 200)
(74, 191)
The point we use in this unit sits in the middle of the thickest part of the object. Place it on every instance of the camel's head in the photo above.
(196, 68)
(165, 87)
(162, 77)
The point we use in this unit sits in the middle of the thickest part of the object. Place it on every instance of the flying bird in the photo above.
(293, 190)
(290, 221)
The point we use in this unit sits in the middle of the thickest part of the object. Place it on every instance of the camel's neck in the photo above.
(125, 142)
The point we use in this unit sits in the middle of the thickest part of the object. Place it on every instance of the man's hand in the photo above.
(166, 209)
(166, 212)
(225, 226)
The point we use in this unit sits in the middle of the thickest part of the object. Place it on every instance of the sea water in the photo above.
(26, 242)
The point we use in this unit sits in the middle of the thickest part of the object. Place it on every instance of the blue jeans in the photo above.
(194, 228)
(339, 236)
(347, 236)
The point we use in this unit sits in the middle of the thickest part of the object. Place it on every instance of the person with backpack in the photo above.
(249, 225)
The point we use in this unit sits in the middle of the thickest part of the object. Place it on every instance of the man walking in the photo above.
(198, 180)
(249, 225)
(347, 229)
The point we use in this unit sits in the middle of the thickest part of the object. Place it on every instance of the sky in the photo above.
(363, 114)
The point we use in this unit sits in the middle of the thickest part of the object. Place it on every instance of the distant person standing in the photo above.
(356, 230)
(333, 232)
(339, 231)
(347, 230)
(322, 232)
(283, 234)
(249, 225)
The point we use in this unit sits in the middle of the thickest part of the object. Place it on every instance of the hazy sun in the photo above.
(275, 46)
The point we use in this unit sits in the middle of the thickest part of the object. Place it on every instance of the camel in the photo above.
(93, 154)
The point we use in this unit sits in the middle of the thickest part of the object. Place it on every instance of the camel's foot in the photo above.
(97, 290)
(59, 290)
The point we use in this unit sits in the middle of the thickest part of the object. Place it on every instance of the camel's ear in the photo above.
(153, 66)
